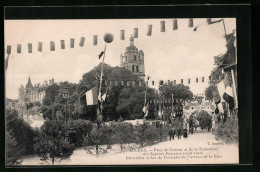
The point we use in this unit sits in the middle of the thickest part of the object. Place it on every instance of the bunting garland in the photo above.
(122, 36)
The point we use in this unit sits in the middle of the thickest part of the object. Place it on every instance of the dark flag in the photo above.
(9, 49)
(6, 62)
(40, 46)
(95, 39)
(19, 48)
(82, 40)
(149, 32)
(52, 46)
(29, 47)
(135, 32)
(72, 43)
(175, 24)
(190, 23)
(62, 44)
(162, 26)
(122, 34)
(195, 29)
(217, 21)
(101, 54)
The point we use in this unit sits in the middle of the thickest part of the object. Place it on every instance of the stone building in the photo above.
(133, 60)
(33, 93)
(12, 104)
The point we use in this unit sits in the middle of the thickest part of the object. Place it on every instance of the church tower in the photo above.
(133, 60)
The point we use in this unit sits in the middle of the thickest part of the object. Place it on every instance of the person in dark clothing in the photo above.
(172, 133)
(179, 133)
(185, 133)
(209, 128)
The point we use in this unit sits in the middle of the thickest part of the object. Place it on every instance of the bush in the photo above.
(78, 130)
(50, 143)
(228, 131)
(123, 134)
(20, 131)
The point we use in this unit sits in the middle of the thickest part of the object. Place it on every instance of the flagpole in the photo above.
(146, 83)
(101, 77)
(224, 27)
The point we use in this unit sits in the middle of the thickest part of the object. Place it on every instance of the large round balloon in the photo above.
(108, 37)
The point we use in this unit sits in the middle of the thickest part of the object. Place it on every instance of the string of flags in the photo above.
(82, 40)
(141, 83)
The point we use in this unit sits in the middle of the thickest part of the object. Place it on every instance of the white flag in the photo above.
(221, 90)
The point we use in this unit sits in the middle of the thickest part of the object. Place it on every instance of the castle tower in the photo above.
(29, 90)
(133, 60)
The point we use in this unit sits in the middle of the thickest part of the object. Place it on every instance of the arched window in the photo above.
(126, 58)
(134, 57)
(133, 68)
(137, 68)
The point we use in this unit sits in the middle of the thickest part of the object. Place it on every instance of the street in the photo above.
(203, 141)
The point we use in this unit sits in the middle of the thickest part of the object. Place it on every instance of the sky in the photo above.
(173, 54)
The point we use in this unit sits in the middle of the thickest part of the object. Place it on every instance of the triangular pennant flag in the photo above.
(91, 96)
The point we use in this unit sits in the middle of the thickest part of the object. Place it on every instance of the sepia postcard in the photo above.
(121, 91)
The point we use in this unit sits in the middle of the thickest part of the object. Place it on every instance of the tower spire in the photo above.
(131, 40)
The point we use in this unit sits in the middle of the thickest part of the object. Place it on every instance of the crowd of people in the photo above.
(183, 126)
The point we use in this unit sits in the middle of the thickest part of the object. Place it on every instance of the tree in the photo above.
(131, 101)
(91, 79)
(50, 143)
(20, 131)
(204, 119)
(54, 102)
(209, 92)
(179, 91)
(13, 153)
